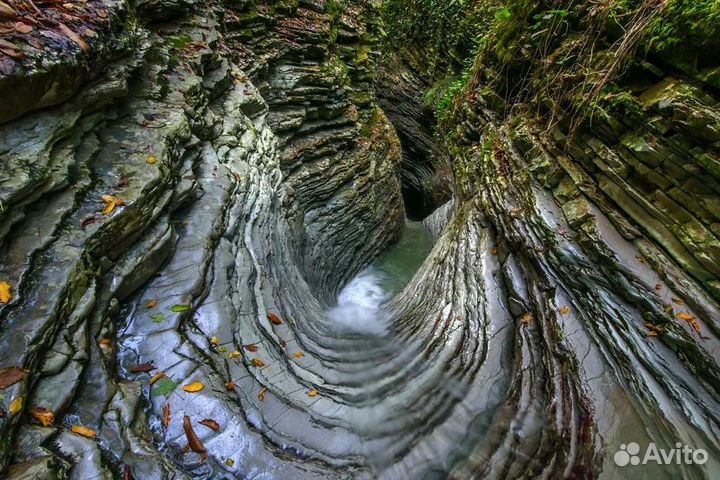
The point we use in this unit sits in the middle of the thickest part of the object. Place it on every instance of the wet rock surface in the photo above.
(251, 175)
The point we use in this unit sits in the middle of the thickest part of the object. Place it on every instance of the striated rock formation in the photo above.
(186, 190)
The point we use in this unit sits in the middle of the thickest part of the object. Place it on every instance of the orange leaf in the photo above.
(211, 424)
(166, 415)
(230, 385)
(5, 292)
(83, 431)
(651, 334)
(274, 319)
(251, 348)
(151, 304)
(312, 393)
(493, 251)
(257, 362)
(658, 286)
(194, 387)
(44, 416)
(73, 36)
(565, 310)
(261, 395)
(10, 376)
(527, 318)
(686, 316)
(298, 354)
(157, 377)
(677, 301)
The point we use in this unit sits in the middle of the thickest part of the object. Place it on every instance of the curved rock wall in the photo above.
(245, 167)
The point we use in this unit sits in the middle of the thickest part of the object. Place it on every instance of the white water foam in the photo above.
(359, 308)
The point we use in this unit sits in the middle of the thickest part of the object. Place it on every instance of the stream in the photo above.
(360, 303)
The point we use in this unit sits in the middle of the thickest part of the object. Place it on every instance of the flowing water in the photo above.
(360, 304)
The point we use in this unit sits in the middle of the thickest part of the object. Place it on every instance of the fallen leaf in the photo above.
(44, 416)
(235, 354)
(180, 308)
(251, 348)
(229, 462)
(157, 317)
(298, 354)
(151, 304)
(21, 27)
(6, 10)
(230, 385)
(257, 362)
(10, 376)
(261, 395)
(83, 431)
(686, 316)
(658, 286)
(274, 319)
(152, 160)
(564, 310)
(214, 340)
(211, 424)
(16, 405)
(157, 377)
(668, 309)
(527, 318)
(194, 442)
(678, 301)
(166, 415)
(142, 368)
(165, 386)
(127, 473)
(312, 393)
(5, 292)
(194, 387)
(105, 342)
(639, 259)
(493, 251)
(651, 334)
(87, 221)
(222, 349)
(110, 204)
(73, 36)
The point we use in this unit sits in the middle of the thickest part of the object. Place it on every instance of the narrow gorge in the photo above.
(355, 239)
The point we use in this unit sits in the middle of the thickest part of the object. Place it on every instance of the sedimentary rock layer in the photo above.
(248, 174)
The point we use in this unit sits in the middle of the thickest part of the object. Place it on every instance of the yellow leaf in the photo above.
(105, 342)
(194, 387)
(261, 395)
(214, 340)
(16, 405)
(230, 462)
(44, 416)
(83, 431)
(5, 294)
(258, 363)
(157, 377)
(312, 393)
(677, 301)
(222, 349)
(110, 203)
(565, 310)
(651, 334)
(298, 354)
(151, 304)
(527, 318)
(152, 160)
(235, 354)
(686, 316)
